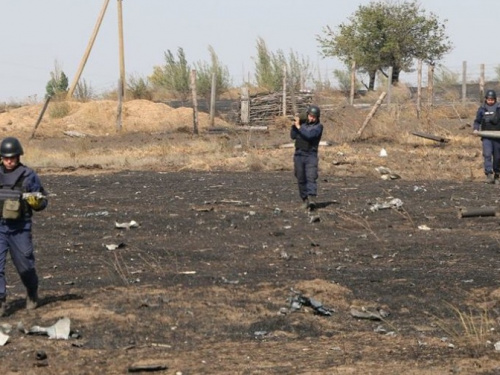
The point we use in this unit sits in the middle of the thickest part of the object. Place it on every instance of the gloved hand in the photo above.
(475, 132)
(35, 202)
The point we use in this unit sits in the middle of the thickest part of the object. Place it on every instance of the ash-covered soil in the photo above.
(203, 284)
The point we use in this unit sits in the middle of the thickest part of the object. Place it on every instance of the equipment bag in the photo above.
(11, 204)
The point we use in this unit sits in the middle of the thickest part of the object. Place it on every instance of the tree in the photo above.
(174, 75)
(58, 83)
(204, 72)
(269, 68)
(382, 35)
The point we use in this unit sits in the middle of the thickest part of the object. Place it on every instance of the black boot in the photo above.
(3, 307)
(32, 300)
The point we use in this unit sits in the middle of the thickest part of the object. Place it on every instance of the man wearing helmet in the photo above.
(488, 118)
(307, 135)
(21, 193)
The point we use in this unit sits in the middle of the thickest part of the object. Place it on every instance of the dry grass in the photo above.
(164, 139)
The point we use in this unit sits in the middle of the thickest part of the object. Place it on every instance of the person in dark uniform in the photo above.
(21, 193)
(488, 119)
(307, 135)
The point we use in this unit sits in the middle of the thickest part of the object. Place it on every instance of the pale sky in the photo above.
(37, 34)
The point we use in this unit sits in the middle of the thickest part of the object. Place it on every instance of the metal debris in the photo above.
(300, 300)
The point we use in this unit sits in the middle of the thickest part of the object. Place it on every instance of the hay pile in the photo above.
(99, 118)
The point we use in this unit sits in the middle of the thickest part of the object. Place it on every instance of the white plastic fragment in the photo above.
(60, 330)
(3, 338)
(131, 224)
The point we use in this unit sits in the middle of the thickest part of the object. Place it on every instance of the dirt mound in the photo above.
(99, 118)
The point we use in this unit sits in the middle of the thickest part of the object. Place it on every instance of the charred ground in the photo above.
(202, 285)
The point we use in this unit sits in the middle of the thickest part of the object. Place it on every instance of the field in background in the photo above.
(159, 137)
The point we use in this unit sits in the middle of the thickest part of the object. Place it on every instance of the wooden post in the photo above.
(389, 85)
(87, 51)
(481, 84)
(370, 115)
(122, 53)
(353, 83)
(293, 99)
(245, 106)
(284, 90)
(195, 101)
(430, 84)
(419, 88)
(119, 108)
(212, 99)
(464, 81)
(40, 116)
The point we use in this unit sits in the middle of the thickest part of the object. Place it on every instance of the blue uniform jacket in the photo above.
(307, 138)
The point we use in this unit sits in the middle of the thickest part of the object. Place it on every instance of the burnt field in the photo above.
(225, 273)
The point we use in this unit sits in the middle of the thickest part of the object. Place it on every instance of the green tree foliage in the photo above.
(174, 75)
(382, 35)
(58, 84)
(270, 68)
(204, 72)
(139, 88)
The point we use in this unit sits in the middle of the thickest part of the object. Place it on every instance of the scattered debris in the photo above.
(75, 134)
(393, 203)
(226, 281)
(314, 218)
(131, 224)
(149, 368)
(383, 170)
(60, 330)
(478, 212)
(115, 246)
(3, 338)
(387, 173)
(431, 137)
(363, 313)
(40, 355)
(299, 300)
(383, 153)
(423, 227)
(391, 176)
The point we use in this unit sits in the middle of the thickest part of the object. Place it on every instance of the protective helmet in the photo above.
(314, 110)
(490, 94)
(10, 147)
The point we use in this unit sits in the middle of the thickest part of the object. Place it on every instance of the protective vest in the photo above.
(491, 119)
(12, 206)
(304, 145)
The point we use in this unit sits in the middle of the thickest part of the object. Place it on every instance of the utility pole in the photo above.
(122, 53)
(87, 51)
